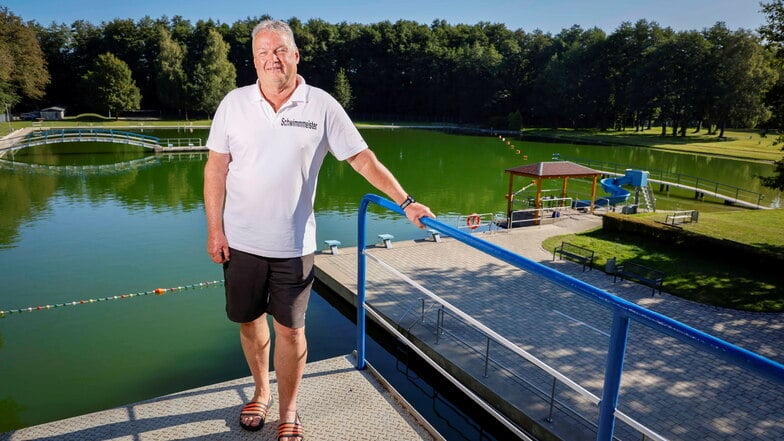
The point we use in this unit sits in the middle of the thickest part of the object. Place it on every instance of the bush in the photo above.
(743, 255)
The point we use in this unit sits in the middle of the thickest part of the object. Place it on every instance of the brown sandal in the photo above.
(255, 409)
(292, 429)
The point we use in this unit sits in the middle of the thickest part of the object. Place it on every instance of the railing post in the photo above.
(549, 418)
(439, 323)
(361, 264)
(612, 376)
(487, 355)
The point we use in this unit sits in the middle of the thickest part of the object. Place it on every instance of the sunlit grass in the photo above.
(742, 144)
(711, 278)
(759, 228)
(96, 120)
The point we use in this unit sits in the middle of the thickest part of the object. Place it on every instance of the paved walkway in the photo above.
(338, 401)
(11, 139)
(667, 386)
(759, 332)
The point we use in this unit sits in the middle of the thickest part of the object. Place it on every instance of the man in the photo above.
(267, 143)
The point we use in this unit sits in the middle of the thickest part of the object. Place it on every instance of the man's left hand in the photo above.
(416, 211)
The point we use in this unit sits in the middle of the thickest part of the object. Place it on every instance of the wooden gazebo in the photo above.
(550, 170)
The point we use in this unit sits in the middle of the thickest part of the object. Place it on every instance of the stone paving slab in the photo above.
(667, 385)
(337, 402)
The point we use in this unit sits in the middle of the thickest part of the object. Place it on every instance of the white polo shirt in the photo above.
(275, 161)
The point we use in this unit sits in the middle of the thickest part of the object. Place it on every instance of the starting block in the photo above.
(386, 239)
(333, 246)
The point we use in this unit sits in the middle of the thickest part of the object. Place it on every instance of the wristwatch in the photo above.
(409, 200)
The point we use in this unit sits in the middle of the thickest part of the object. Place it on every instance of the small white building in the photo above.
(53, 113)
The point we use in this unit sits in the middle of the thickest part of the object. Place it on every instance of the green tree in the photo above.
(773, 33)
(773, 30)
(112, 86)
(171, 79)
(214, 76)
(632, 99)
(573, 84)
(317, 42)
(536, 51)
(776, 181)
(87, 46)
(240, 52)
(515, 121)
(742, 74)
(474, 78)
(23, 72)
(773, 36)
(677, 70)
(137, 44)
(342, 90)
(57, 44)
(473, 73)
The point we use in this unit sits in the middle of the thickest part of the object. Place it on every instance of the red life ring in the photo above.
(473, 221)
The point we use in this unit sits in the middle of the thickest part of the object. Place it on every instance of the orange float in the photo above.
(473, 221)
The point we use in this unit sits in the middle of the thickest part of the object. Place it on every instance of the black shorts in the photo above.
(256, 285)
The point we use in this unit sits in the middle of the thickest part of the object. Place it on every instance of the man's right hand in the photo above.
(218, 248)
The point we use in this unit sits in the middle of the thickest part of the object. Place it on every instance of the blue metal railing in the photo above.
(623, 313)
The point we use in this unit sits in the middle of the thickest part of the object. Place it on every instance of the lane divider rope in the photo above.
(156, 291)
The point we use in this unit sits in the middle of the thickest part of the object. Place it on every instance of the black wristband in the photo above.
(409, 200)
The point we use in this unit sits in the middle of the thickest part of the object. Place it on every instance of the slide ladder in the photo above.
(649, 200)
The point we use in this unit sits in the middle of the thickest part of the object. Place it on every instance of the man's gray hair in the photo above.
(281, 27)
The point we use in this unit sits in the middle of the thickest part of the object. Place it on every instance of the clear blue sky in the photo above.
(547, 15)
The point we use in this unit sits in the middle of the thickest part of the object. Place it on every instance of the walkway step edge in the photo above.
(337, 402)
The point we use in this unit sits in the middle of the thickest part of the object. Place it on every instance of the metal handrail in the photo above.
(623, 313)
(180, 142)
(89, 131)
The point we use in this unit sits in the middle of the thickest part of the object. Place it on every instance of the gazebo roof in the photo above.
(560, 169)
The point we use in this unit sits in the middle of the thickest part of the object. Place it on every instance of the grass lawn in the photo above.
(711, 279)
(95, 120)
(741, 144)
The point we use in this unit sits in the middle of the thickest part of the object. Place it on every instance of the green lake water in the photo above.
(72, 235)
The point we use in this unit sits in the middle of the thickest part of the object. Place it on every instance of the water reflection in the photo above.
(163, 183)
(77, 170)
(79, 154)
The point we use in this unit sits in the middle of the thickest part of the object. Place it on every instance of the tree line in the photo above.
(639, 75)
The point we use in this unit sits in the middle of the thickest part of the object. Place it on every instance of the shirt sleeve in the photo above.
(343, 137)
(218, 140)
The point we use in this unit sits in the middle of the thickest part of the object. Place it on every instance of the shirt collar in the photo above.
(300, 92)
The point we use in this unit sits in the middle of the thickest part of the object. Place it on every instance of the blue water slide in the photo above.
(618, 194)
